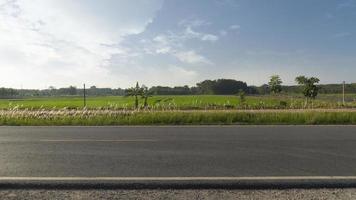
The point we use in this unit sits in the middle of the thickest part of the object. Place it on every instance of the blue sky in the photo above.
(114, 43)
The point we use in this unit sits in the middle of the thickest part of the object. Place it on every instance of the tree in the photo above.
(52, 90)
(229, 86)
(275, 84)
(222, 86)
(72, 90)
(134, 92)
(146, 93)
(206, 87)
(310, 90)
(8, 92)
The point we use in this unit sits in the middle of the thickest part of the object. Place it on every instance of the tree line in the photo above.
(213, 87)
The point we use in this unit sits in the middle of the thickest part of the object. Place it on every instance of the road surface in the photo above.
(210, 153)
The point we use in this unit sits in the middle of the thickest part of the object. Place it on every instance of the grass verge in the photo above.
(108, 117)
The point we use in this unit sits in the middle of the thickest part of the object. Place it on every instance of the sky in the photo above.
(114, 43)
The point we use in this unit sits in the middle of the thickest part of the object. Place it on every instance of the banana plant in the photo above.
(146, 93)
(135, 92)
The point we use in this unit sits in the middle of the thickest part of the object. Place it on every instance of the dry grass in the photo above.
(175, 117)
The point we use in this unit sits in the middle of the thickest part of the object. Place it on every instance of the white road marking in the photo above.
(267, 178)
(87, 140)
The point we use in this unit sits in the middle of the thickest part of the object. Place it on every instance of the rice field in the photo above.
(177, 110)
(201, 102)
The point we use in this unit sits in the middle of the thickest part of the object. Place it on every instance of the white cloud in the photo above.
(193, 23)
(163, 50)
(188, 34)
(173, 43)
(209, 37)
(66, 42)
(171, 76)
(192, 34)
(234, 27)
(162, 39)
(191, 57)
(156, 74)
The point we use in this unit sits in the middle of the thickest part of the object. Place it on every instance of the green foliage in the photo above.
(146, 93)
(222, 86)
(207, 87)
(310, 90)
(135, 92)
(242, 98)
(275, 84)
(105, 117)
(283, 104)
(8, 92)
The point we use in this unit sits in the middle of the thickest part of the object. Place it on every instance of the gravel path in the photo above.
(324, 194)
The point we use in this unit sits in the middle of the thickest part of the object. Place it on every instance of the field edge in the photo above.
(131, 118)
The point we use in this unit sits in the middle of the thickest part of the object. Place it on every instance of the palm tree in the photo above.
(146, 93)
(134, 92)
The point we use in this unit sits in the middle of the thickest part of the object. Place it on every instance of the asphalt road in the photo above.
(180, 152)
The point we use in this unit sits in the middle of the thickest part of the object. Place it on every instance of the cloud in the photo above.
(234, 27)
(181, 73)
(66, 41)
(174, 43)
(190, 33)
(173, 75)
(191, 57)
(193, 23)
(163, 50)
(231, 28)
(156, 74)
(210, 37)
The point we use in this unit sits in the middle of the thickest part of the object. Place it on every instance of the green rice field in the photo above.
(201, 102)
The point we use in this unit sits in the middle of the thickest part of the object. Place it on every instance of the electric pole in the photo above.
(85, 98)
(343, 93)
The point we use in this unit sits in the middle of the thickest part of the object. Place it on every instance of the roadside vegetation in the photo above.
(110, 117)
(221, 101)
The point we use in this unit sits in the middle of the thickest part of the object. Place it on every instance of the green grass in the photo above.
(176, 110)
(178, 102)
(109, 117)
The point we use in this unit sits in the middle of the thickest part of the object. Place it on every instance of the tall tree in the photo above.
(222, 86)
(135, 92)
(310, 89)
(275, 84)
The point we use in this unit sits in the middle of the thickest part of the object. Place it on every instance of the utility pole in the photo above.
(85, 98)
(343, 93)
